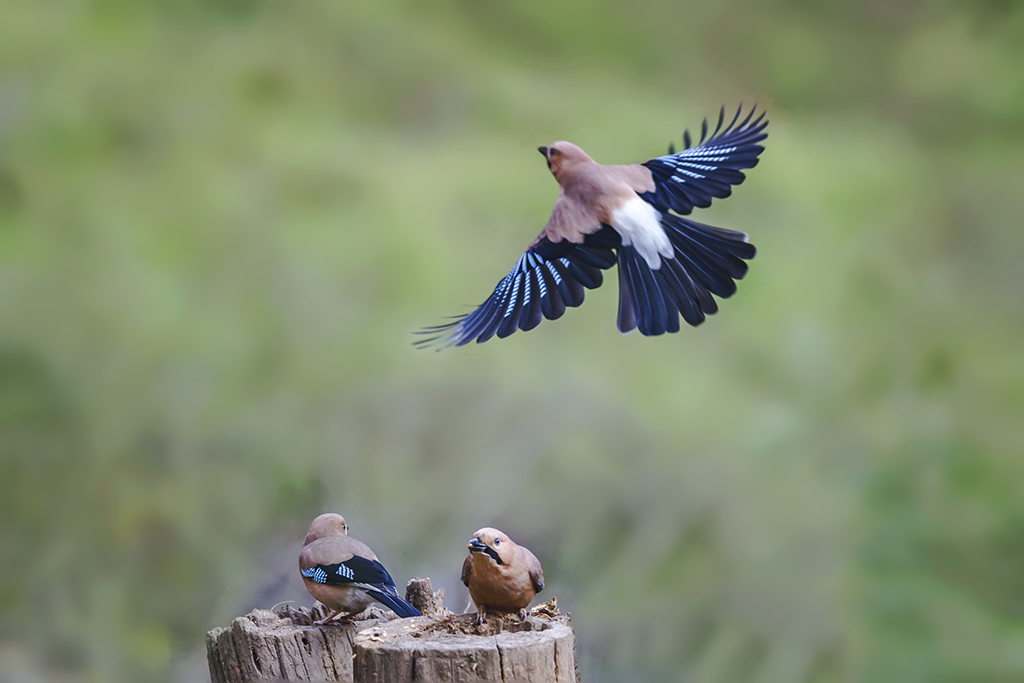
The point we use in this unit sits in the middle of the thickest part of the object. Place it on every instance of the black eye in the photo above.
(497, 542)
(554, 151)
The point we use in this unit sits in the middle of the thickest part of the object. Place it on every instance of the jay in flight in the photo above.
(633, 216)
(500, 575)
(344, 574)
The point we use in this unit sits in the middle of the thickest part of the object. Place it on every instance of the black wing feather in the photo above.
(571, 289)
(510, 318)
(551, 305)
(532, 313)
(353, 570)
(549, 277)
(696, 175)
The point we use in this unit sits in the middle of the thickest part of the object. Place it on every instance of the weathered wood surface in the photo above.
(419, 594)
(454, 648)
(283, 644)
(435, 648)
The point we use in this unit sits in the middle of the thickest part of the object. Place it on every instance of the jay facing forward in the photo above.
(500, 575)
(343, 573)
(630, 215)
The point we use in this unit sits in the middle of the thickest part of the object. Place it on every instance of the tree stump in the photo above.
(435, 648)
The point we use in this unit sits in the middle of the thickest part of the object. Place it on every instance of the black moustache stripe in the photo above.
(494, 555)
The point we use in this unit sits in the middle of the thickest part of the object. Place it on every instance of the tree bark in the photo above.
(437, 647)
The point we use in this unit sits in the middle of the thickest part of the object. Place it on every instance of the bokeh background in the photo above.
(221, 220)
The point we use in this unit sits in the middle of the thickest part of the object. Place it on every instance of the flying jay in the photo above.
(633, 216)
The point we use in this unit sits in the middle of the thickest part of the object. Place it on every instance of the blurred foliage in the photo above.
(220, 220)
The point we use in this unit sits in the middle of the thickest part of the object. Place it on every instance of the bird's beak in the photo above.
(543, 150)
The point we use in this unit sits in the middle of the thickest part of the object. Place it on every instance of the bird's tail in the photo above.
(396, 604)
(706, 261)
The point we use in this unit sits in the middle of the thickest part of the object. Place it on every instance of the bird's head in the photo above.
(328, 524)
(563, 156)
(493, 543)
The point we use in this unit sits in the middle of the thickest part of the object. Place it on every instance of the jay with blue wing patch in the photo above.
(344, 574)
(632, 216)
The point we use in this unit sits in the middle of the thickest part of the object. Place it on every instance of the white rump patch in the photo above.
(639, 224)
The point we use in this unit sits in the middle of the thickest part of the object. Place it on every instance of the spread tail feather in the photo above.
(707, 260)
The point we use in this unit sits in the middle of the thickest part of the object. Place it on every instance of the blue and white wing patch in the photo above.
(696, 175)
(355, 570)
(316, 574)
(547, 278)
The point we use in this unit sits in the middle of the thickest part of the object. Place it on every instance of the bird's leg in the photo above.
(332, 615)
(481, 614)
(522, 614)
(346, 618)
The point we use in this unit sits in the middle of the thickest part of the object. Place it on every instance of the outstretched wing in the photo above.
(695, 175)
(546, 279)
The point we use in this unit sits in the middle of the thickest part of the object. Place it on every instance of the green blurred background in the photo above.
(220, 221)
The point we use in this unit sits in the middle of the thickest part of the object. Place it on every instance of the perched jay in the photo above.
(343, 573)
(500, 575)
(631, 215)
